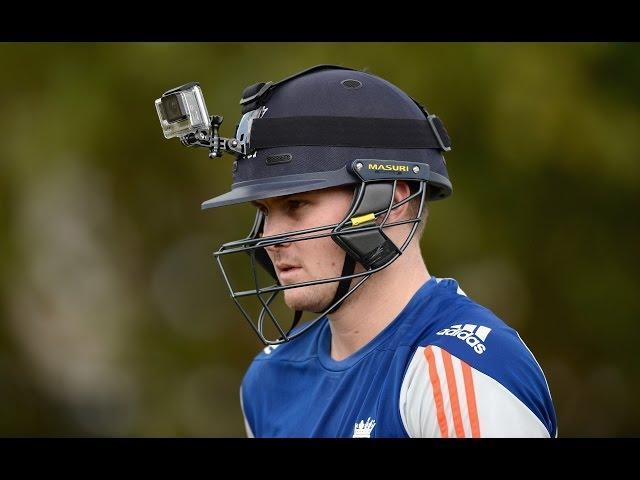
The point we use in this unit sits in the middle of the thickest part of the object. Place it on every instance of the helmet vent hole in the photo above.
(351, 84)
(277, 159)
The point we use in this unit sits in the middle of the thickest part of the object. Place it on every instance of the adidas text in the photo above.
(471, 334)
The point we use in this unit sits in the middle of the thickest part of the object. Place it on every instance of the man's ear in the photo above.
(402, 191)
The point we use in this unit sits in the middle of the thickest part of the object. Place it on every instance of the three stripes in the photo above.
(469, 408)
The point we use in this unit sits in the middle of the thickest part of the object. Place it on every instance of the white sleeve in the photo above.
(442, 396)
(247, 427)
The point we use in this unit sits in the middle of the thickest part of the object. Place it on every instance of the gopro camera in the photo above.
(182, 111)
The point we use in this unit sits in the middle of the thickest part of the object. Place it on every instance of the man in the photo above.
(340, 165)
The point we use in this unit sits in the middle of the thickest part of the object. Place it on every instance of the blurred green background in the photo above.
(114, 318)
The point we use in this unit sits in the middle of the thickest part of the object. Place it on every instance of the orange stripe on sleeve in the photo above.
(437, 391)
(453, 393)
(471, 400)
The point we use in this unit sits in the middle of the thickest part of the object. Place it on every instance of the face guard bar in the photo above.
(356, 233)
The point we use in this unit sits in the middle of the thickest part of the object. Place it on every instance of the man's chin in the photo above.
(306, 299)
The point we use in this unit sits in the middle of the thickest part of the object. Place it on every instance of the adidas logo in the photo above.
(362, 429)
(471, 334)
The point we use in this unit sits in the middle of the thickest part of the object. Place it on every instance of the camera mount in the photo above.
(211, 139)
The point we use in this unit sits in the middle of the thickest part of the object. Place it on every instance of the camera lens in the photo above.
(174, 108)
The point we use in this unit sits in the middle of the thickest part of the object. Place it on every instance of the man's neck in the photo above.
(376, 303)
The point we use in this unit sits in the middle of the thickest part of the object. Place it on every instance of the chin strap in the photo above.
(343, 286)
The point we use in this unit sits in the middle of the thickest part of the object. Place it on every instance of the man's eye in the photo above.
(295, 204)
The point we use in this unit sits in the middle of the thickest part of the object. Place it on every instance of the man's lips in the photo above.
(285, 270)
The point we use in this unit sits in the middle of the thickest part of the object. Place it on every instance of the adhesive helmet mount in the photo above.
(326, 126)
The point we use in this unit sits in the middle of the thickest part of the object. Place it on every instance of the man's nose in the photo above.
(276, 225)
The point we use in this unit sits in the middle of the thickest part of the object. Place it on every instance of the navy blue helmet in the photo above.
(324, 127)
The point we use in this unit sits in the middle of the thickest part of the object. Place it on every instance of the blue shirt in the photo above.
(445, 366)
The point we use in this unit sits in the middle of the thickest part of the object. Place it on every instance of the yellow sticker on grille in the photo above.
(362, 219)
